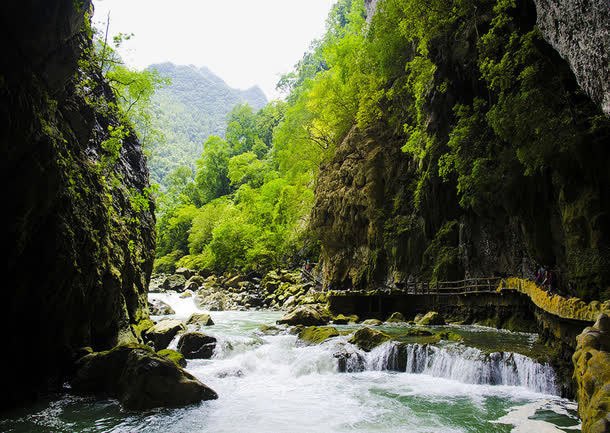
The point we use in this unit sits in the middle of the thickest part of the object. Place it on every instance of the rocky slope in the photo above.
(80, 250)
(385, 216)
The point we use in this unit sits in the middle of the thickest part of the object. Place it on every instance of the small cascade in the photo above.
(464, 364)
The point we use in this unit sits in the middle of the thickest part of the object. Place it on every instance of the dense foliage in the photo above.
(194, 107)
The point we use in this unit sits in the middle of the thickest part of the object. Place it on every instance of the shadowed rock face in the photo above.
(80, 256)
(580, 31)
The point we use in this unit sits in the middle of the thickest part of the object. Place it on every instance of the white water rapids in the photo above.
(275, 384)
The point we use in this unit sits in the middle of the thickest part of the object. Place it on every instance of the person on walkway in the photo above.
(542, 274)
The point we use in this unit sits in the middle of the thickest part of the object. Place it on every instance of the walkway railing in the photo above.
(469, 285)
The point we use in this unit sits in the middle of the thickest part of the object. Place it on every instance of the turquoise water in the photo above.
(272, 384)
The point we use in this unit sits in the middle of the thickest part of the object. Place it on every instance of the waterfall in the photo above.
(464, 364)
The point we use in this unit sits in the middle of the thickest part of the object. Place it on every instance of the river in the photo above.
(271, 383)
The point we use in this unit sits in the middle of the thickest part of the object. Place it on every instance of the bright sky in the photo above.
(244, 42)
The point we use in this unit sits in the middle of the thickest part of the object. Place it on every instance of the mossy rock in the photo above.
(432, 318)
(344, 320)
(200, 319)
(139, 378)
(195, 345)
(175, 356)
(269, 330)
(307, 315)
(372, 322)
(417, 333)
(396, 317)
(449, 335)
(367, 339)
(316, 334)
(163, 333)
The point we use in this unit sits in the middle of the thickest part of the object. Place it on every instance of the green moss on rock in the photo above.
(367, 339)
(316, 334)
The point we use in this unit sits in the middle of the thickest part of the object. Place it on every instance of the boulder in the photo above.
(350, 362)
(214, 302)
(139, 378)
(344, 320)
(396, 317)
(372, 322)
(163, 333)
(430, 319)
(316, 335)
(159, 308)
(367, 339)
(200, 319)
(195, 345)
(307, 315)
(173, 355)
(449, 335)
(269, 330)
(185, 272)
(194, 283)
(174, 282)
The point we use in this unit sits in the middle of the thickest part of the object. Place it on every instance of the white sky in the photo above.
(244, 42)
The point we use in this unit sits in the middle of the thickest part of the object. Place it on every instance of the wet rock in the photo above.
(163, 333)
(139, 378)
(344, 320)
(367, 339)
(184, 272)
(316, 335)
(350, 362)
(173, 355)
(449, 335)
(396, 317)
(372, 322)
(200, 319)
(431, 319)
(174, 282)
(195, 345)
(194, 283)
(269, 330)
(159, 308)
(307, 315)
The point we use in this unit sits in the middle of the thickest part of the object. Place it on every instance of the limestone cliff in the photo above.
(384, 216)
(80, 251)
(580, 31)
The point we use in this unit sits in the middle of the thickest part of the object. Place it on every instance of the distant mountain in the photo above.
(191, 109)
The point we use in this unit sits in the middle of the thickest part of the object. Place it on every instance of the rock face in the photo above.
(139, 378)
(92, 251)
(592, 374)
(580, 31)
(385, 217)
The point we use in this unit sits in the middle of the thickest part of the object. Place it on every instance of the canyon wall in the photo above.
(81, 230)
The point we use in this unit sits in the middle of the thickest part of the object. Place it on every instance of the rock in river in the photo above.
(163, 333)
(367, 339)
(195, 345)
(307, 315)
(139, 378)
(159, 308)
